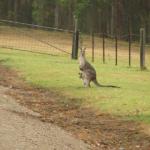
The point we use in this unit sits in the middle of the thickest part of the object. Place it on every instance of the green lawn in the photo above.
(132, 100)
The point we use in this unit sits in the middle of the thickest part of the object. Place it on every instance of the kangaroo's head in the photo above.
(82, 52)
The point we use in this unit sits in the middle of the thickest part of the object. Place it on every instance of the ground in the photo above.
(49, 85)
(100, 131)
(20, 129)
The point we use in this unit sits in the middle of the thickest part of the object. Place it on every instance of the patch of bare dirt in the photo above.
(101, 131)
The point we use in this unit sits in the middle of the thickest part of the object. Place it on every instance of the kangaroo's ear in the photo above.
(84, 49)
(81, 49)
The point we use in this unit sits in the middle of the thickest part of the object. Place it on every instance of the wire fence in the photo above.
(35, 38)
(101, 47)
(105, 48)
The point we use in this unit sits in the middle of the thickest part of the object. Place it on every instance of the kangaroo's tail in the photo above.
(100, 85)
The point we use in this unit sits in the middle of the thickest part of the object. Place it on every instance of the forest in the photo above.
(99, 16)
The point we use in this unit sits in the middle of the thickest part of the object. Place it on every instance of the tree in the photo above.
(93, 15)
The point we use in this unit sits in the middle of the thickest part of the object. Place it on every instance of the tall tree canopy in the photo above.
(107, 16)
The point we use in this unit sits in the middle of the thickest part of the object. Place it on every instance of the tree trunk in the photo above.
(10, 9)
(16, 10)
(112, 18)
(120, 17)
(56, 23)
(70, 15)
(148, 29)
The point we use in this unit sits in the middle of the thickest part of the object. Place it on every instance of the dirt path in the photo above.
(21, 130)
(100, 131)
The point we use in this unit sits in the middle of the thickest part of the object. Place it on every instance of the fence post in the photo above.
(129, 39)
(75, 43)
(142, 49)
(93, 44)
(116, 50)
(103, 48)
(129, 48)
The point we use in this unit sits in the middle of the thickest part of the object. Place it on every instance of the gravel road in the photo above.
(20, 129)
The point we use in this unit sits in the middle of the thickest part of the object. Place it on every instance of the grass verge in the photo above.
(61, 74)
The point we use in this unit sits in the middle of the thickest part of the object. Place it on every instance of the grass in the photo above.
(132, 100)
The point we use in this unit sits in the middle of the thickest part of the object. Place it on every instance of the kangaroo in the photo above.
(88, 72)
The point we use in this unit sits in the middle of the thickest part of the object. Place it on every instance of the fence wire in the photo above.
(123, 50)
(34, 38)
(58, 42)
